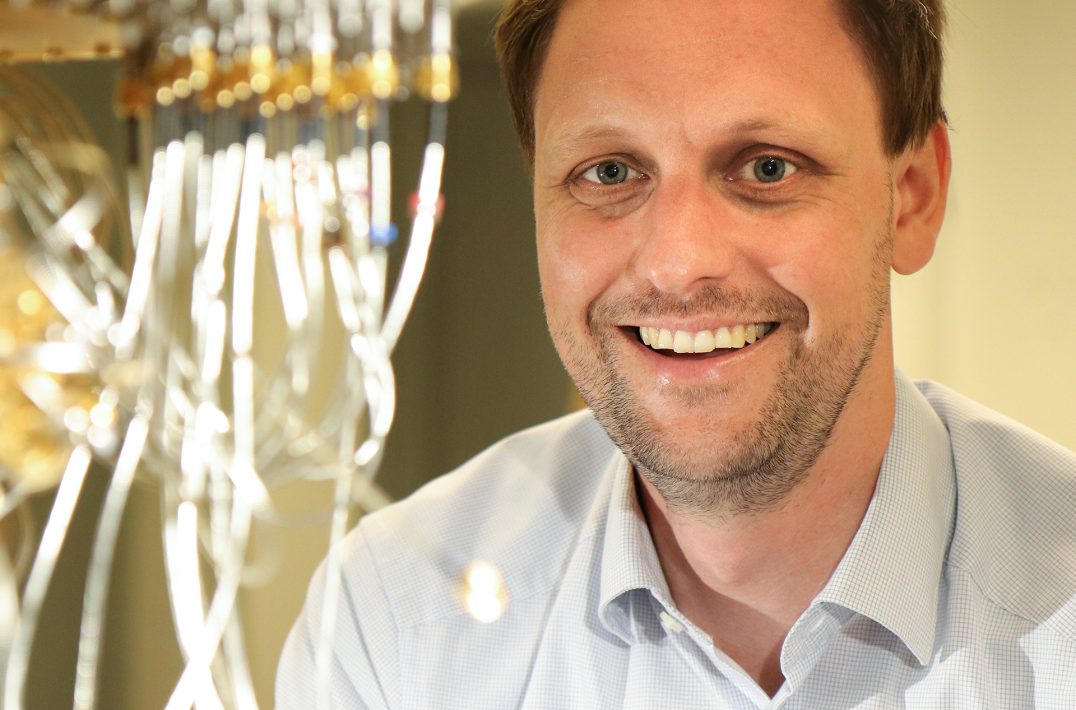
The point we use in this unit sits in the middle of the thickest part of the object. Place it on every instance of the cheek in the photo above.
(826, 259)
(575, 267)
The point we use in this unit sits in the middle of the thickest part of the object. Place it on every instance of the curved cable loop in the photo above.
(285, 153)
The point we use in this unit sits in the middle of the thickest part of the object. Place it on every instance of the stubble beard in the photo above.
(766, 459)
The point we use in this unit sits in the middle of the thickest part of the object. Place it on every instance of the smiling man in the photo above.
(757, 510)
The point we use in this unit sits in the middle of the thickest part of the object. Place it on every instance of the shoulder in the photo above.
(1015, 530)
(523, 506)
(520, 505)
(985, 438)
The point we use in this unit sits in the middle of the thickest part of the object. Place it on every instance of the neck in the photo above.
(746, 578)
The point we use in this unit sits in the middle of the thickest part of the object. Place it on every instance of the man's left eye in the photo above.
(767, 169)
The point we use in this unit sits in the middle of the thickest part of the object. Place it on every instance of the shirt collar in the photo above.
(628, 558)
(892, 569)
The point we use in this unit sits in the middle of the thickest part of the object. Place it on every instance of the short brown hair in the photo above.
(901, 40)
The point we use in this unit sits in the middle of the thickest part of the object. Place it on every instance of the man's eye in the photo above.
(767, 169)
(610, 172)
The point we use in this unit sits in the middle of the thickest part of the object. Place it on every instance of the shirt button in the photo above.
(669, 623)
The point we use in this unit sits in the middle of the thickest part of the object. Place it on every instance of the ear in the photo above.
(922, 187)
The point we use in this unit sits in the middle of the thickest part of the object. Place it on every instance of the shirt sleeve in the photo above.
(364, 669)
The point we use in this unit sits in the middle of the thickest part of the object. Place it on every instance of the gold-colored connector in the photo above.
(437, 78)
(203, 68)
(262, 69)
(347, 86)
(321, 73)
(293, 85)
(382, 74)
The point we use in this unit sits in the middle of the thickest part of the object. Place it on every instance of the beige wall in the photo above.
(994, 314)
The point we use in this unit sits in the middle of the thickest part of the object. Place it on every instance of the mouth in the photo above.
(702, 343)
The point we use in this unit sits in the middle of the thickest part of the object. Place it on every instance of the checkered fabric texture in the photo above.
(958, 591)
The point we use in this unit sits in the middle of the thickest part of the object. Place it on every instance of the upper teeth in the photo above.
(702, 341)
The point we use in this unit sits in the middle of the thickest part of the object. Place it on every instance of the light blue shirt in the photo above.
(958, 590)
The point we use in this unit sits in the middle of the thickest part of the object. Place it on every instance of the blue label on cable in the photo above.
(383, 235)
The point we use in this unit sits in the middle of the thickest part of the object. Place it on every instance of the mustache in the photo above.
(711, 299)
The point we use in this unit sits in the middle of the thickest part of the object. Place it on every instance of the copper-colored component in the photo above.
(132, 97)
(39, 31)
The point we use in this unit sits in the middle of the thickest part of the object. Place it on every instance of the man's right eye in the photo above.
(609, 172)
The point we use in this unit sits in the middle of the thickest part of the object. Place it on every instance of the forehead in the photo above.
(708, 63)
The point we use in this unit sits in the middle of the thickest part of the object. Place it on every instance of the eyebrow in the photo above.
(751, 125)
(568, 143)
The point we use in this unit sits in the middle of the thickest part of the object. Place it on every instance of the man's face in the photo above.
(704, 170)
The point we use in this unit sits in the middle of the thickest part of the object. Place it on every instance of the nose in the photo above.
(685, 238)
